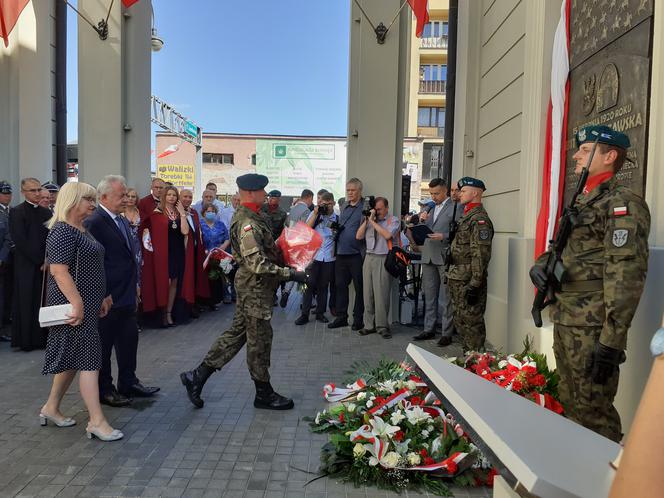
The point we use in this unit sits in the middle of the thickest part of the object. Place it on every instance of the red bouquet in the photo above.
(299, 245)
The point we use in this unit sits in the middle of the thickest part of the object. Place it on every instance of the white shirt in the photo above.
(112, 215)
(438, 209)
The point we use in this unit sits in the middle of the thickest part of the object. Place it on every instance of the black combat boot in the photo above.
(270, 400)
(194, 380)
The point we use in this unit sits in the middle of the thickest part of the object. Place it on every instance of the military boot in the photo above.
(270, 400)
(194, 380)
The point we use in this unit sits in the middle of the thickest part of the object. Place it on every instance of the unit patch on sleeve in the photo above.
(620, 236)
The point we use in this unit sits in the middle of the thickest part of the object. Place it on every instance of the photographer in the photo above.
(321, 270)
(348, 264)
(378, 228)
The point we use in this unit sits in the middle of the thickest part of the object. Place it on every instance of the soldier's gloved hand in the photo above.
(298, 276)
(472, 295)
(538, 277)
(605, 361)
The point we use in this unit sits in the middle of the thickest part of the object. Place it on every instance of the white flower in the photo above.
(502, 364)
(417, 415)
(387, 386)
(397, 417)
(318, 416)
(411, 385)
(459, 430)
(361, 396)
(402, 448)
(369, 404)
(436, 444)
(359, 450)
(425, 446)
(413, 458)
(381, 428)
(373, 461)
(372, 397)
(390, 460)
(351, 407)
(425, 433)
(430, 428)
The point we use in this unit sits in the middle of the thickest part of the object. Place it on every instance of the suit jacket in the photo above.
(432, 250)
(28, 232)
(119, 260)
(146, 206)
(5, 237)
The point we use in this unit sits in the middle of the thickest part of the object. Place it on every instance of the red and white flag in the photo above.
(556, 131)
(129, 3)
(9, 12)
(171, 149)
(421, 12)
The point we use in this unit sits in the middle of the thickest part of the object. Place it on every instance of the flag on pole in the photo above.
(421, 12)
(10, 10)
(171, 149)
(129, 3)
(556, 131)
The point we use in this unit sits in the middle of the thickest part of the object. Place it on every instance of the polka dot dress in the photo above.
(75, 348)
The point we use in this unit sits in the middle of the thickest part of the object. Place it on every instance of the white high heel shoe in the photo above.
(113, 436)
(65, 422)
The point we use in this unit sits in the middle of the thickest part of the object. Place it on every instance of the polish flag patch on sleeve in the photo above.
(247, 228)
(620, 211)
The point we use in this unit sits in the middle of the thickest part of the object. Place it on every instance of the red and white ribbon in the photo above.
(332, 393)
(449, 464)
(400, 395)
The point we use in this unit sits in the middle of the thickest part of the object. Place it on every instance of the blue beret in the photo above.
(606, 135)
(5, 188)
(468, 181)
(51, 187)
(274, 193)
(252, 181)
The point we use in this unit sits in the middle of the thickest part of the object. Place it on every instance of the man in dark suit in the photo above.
(28, 232)
(6, 257)
(148, 203)
(118, 329)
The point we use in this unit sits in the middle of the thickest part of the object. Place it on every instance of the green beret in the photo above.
(468, 181)
(606, 135)
(252, 181)
(274, 193)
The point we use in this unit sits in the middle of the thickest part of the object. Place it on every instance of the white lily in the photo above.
(397, 417)
(401, 448)
(351, 407)
(416, 415)
(387, 386)
(382, 429)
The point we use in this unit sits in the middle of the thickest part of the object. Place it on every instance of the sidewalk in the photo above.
(228, 448)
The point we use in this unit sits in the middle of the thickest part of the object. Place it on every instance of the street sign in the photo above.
(191, 129)
(169, 119)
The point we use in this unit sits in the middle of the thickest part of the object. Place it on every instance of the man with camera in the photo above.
(380, 230)
(348, 266)
(321, 219)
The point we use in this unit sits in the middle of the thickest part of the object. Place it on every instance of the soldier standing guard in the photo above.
(258, 276)
(606, 259)
(467, 275)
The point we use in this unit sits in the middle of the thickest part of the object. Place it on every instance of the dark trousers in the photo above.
(6, 285)
(320, 273)
(347, 269)
(118, 329)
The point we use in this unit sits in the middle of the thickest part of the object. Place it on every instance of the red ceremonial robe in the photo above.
(154, 290)
(200, 276)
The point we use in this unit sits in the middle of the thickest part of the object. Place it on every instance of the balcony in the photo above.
(434, 42)
(435, 87)
(431, 131)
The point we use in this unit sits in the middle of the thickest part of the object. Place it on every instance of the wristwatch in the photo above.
(657, 343)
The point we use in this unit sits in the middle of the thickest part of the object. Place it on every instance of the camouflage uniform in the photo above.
(606, 259)
(275, 219)
(470, 253)
(257, 278)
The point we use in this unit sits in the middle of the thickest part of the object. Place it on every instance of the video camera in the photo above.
(369, 203)
(324, 209)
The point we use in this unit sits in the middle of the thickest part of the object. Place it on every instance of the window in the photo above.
(433, 72)
(218, 158)
(253, 159)
(435, 29)
(433, 117)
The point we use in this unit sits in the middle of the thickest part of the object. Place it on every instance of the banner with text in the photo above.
(180, 175)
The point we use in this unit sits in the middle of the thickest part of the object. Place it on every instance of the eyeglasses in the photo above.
(90, 198)
(33, 190)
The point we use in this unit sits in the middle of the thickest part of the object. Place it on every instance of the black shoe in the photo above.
(320, 317)
(114, 399)
(426, 335)
(267, 399)
(193, 381)
(302, 319)
(5, 338)
(357, 326)
(338, 323)
(385, 333)
(283, 301)
(446, 340)
(366, 331)
(138, 390)
(195, 312)
(227, 300)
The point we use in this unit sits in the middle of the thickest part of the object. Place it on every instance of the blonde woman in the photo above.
(76, 276)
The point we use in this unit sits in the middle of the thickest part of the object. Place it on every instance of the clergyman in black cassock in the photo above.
(28, 231)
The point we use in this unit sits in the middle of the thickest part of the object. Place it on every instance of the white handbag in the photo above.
(58, 314)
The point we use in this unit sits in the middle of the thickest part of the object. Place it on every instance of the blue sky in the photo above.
(248, 66)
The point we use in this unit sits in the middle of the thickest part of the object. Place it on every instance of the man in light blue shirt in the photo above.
(228, 212)
(208, 197)
(322, 268)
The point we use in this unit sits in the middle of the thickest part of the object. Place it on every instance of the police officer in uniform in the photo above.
(606, 259)
(467, 275)
(6, 250)
(258, 276)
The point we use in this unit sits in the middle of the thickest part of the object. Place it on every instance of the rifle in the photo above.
(554, 269)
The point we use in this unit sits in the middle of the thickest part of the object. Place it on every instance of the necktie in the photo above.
(121, 227)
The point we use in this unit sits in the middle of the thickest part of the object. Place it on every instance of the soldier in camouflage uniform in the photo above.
(467, 274)
(276, 219)
(606, 259)
(259, 273)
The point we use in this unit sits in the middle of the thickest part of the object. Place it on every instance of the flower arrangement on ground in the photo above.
(218, 263)
(387, 429)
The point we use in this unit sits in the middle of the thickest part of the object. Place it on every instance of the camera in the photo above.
(324, 209)
(369, 203)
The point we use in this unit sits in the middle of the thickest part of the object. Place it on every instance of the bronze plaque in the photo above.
(610, 63)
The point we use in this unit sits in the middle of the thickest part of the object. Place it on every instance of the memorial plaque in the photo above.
(610, 64)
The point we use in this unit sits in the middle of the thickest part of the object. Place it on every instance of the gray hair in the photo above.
(355, 181)
(106, 184)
